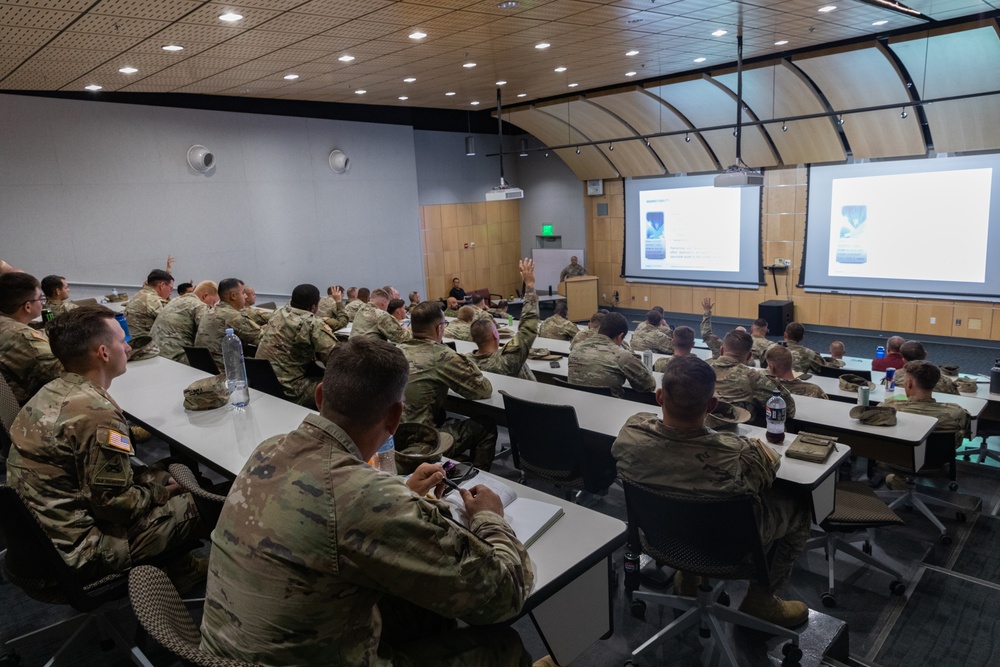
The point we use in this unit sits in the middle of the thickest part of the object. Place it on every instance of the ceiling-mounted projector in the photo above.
(504, 192)
(739, 177)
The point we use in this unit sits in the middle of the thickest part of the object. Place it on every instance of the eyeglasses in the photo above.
(41, 298)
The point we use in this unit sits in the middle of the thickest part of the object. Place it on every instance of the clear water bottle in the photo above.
(385, 458)
(880, 352)
(775, 415)
(647, 359)
(236, 372)
(114, 291)
(995, 378)
(123, 323)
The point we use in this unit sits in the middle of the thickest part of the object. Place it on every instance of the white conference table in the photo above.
(571, 603)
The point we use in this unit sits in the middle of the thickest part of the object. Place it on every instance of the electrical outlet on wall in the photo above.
(933, 320)
(788, 262)
(645, 298)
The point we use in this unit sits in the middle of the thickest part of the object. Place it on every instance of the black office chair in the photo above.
(201, 358)
(560, 381)
(831, 372)
(8, 411)
(714, 539)
(250, 351)
(260, 376)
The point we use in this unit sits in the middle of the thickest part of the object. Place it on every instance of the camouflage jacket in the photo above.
(141, 311)
(333, 313)
(581, 336)
(327, 306)
(59, 307)
(800, 387)
(352, 307)
(312, 538)
(259, 317)
(713, 342)
(373, 321)
(572, 272)
(950, 417)
(746, 387)
(292, 339)
(458, 330)
(646, 337)
(70, 461)
(213, 325)
(805, 360)
(559, 328)
(26, 360)
(176, 325)
(509, 359)
(598, 362)
(761, 346)
(944, 386)
(434, 369)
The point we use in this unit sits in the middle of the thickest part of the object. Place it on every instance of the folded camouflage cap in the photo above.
(949, 369)
(967, 385)
(418, 443)
(207, 393)
(850, 382)
(143, 347)
(727, 417)
(874, 415)
(542, 353)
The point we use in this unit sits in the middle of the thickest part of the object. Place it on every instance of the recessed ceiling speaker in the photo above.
(200, 158)
(339, 161)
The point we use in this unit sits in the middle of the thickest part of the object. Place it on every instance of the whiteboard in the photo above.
(549, 263)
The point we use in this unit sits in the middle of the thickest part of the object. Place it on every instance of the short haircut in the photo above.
(477, 299)
(481, 330)
(413, 296)
(684, 338)
(838, 346)
(654, 317)
(227, 285)
(184, 288)
(501, 304)
(760, 323)
(455, 278)
(15, 290)
(364, 293)
(779, 359)
(924, 373)
(206, 287)
(329, 290)
(598, 317)
(894, 343)
(466, 313)
(352, 292)
(451, 300)
(658, 309)
(50, 284)
(913, 350)
(395, 304)
(304, 296)
(614, 325)
(561, 309)
(388, 289)
(380, 294)
(157, 276)
(364, 378)
(425, 317)
(795, 331)
(688, 385)
(737, 343)
(73, 334)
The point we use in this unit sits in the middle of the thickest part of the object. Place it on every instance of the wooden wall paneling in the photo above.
(433, 240)
(727, 302)
(589, 164)
(449, 217)
(749, 300)
(467, 261)
(449, 239)
(834, 311)
(659, 295)
(463, 214)
(899, 316)
(682, 300)
(640, 296)
(430, 216)
(494, 212)
(965, 125)
(996, 325)
(939, 311)
(478, 212)
(972, 320)
(452, 263)
(866, 313)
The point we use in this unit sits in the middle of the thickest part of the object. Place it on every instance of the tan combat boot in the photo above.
(686, 584)
(766, 606)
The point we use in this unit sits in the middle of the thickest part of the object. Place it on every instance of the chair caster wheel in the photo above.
(792, 653)
(867, 548)
(639, 608)
(828, 599)
(897, 588)
(960, 517)
(11, 659)
(947, 539)
(953, 486)
(704, 633)
(724, 599)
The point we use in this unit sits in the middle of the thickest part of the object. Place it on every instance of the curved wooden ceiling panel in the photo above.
(631, 158)
(705, 103)
(965, 125)
(865, 77)
(589, 164)
(779, 91)
(648, 114)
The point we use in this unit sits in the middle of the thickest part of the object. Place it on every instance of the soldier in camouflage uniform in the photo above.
(353, 307)
(573, 270)
(328, 304)
(177, 323)
(57, 294)
(779, 368)
(229, 314)
(509, 359)
(683, 344)
(70, 460)
(461, 328)
(649, 336)
(742, 386)
(914, 351)
(26, 361)
(713, 342)
(259, 317)
(293, 339)
(372, 319)
(836, 358)
(377, 570)
(592, 327)
(434, 369)
(600, 361)
(334, 313)
(761, 343)
(558, 326)
(804, 360)
(142, 309)
(675, 452)
(452, 307)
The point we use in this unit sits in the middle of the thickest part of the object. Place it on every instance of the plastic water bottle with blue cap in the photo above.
(385, 458)
(236, 372)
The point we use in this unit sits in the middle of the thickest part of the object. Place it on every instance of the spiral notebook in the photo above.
(528, 517)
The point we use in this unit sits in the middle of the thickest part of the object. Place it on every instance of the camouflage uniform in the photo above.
(558, 327)
(292, 339)
(336, 316)
(314, 551)
(448, 312)
(58, 307)
(800, 387)
(572, 272)
(373, 321)
(746, 387)
(26, 360)
(944, 386)
(434, 369)
(509, 359)
(950, 417)
(760, 347)
(702, 463)
(805, 360)
(598, 362)
(583, 335)
(213, 325)
(176, 325)
(834, 363)
(713, 342)
(259, 317)
(647, 337)
(327, 306)
(458, 330)
(141, 311)
(352, 308)
(70, 462)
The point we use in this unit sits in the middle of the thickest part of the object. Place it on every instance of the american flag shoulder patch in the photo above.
(119, 441)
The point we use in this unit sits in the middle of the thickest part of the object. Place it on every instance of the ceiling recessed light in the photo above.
(508, 4)
(699, 60)
(474, 103)
(417, 35)
(522, 94)
(501, 82)
(345, 58)
(409, 79)
(827, 9)
(128, 70)
(93, 86)
(560, 69)
(229, 17)
(403, 98)
(882, 22)
(542, 45)
(291, 77)
(629, 73)
(449, 94)
(360, 92)
(781, 42)
(173, 47)
(469, 65)
(720, 32)
(572, 85)
(633, 52)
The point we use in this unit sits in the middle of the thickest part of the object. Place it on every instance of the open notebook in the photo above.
(529, 518)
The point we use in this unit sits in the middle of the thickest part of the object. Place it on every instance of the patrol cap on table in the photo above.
(727, 417)
(207, 393)
(850, 382)
(418, 443)
(967, 385)
(874, 415)
(543, 354)
(143, 347)
(949, 369)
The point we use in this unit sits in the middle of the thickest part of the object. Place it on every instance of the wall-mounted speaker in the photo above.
(200, 158)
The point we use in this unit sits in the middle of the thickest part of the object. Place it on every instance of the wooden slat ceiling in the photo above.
(589, 163)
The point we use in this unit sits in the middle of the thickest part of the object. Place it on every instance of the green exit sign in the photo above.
(546, 230)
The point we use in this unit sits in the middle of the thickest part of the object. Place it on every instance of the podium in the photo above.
(581, 297)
